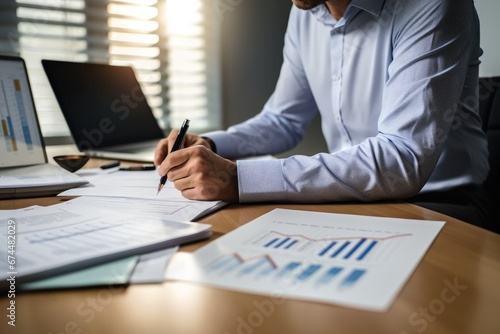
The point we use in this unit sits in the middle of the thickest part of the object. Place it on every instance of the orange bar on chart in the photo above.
(17, 84)
(4, 128)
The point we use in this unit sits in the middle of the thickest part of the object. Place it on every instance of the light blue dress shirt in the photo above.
(395, 82)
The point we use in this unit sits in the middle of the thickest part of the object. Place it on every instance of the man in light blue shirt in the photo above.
(395, 82)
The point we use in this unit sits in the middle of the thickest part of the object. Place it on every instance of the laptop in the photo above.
(24, 169)
(105, 108)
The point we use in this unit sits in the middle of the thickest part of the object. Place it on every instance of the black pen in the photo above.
(137, 168)
(177, 145)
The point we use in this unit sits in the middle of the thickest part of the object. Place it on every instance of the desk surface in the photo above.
(455, 289)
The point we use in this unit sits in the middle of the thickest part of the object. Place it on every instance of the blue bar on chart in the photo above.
(255, 265)
(289, 268)
(353, 277)
(357, 249)
(281, 243)
(308, 272)
(354, 249)
(22, 114)
(327, 248)
(341, 248)
(330, 275)
(270, 243)
(367, 250)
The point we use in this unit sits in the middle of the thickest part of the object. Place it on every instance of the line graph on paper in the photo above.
(329, 244)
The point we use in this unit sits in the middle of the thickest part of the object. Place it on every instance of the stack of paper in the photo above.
(118, 216)
(61, 238)
(138, 191)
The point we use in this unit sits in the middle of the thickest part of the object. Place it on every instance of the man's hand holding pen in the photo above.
(195, 170)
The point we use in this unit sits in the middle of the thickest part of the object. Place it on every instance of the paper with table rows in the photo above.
(60, 238)
(138, 189)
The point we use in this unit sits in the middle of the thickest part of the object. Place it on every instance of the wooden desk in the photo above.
(463, 256)
(455, 289)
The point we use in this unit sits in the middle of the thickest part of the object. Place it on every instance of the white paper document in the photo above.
(138, 184)
(355, 261)
(151, 266)
(143, 185)
(170, 210)
(51, 240)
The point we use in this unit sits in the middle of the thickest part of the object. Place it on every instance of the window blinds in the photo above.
(171, 44)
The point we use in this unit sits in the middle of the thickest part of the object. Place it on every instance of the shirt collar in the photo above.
(371, 6)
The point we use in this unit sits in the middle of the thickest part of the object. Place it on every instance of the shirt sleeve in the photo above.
(431, 49)
(284, 118)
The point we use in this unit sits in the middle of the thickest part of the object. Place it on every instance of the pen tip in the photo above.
(160, 187)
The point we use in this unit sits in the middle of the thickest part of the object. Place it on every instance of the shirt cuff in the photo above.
(222, 141)
(260, 180)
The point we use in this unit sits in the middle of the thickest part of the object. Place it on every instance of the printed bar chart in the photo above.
(348, 248)
(262, 266)
(283, 243)
(357, 249)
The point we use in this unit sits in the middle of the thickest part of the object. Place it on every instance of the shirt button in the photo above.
(337, 118)
(336, 30)
(336, 77)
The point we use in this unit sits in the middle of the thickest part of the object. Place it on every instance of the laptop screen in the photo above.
(20, 137)
(103, 104)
